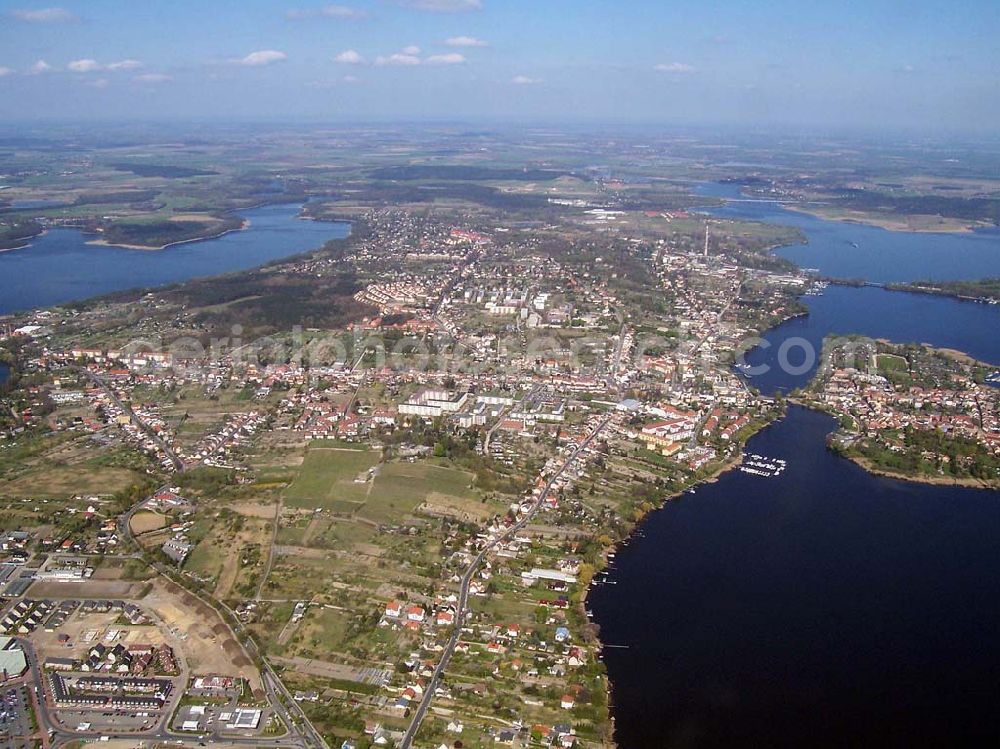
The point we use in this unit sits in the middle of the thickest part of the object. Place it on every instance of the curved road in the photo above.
(301, 732)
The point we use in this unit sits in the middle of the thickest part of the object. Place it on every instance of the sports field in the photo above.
(892, 363)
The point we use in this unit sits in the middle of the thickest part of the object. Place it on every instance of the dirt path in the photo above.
(227, 577)
(311, 530)
(270, 551)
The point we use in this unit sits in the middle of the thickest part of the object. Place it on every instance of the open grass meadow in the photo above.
(332, 479)
(338, 481)
(401, 487)
(65, 481)
(892, 363)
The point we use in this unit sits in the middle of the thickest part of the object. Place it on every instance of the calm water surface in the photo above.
(60, 266)
(844, 250)
(825, 607)
(901, 317)
(822, 608)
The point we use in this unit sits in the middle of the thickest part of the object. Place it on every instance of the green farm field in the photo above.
(330, 478)
(334, 479)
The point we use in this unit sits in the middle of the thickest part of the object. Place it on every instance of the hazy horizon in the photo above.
(916, 67)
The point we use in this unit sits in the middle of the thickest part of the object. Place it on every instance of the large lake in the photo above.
(822, 608)
(826, 607)
(60, 266)
(839, 249)
(866, 310)
(881, 256)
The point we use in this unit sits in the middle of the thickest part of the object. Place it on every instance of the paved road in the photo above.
(503, 415)
(126, 408)
(463, 599)
(301, 731)
(55, 734)
(616, 363)
(469, 258)
(272, 549)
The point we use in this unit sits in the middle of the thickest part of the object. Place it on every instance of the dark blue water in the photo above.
(822, 608)
(881, 255)
(61, 267)
(901, 317)
(825, 607)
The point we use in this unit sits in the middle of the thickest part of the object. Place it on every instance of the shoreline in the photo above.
(244, 225)
(914, 288)
(713, 477)
(733, 463)
(801, 397)
(860, 218)
(968, 483)
(726, 466)
(30, 241)
(868, 467)
(885, 223)
(908, 287)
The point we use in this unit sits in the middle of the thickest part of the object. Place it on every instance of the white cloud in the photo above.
(330, 11)
(5, 71)
(44, 15)
(97, 83)
(442, 6)
(125, 65)
(680, 68)
(524, 80)
(452, 58)
(400, 58)
(261, 57)
(40, 66)
(84, 66)
(465, 41)
(152, 78)
(349, 57)
(350, 79)
(88, 65)
(410, 56)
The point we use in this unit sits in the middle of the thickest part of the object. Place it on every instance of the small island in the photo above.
(159, 233)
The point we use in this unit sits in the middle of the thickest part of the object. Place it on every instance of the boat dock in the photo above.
(758, 465)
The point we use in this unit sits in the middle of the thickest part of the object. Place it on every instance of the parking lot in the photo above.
(94, 721)
(15, 718)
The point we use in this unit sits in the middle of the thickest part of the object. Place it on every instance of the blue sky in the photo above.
(873, 64)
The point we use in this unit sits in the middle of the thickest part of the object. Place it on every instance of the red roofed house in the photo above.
(415, 613)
